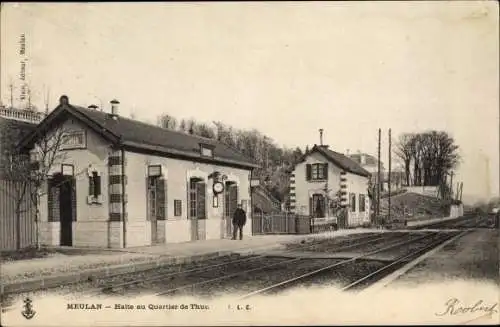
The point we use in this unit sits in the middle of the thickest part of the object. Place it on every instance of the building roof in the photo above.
(340, 160)
(370, 160)
(137, 136)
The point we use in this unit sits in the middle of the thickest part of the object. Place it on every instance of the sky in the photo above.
(285, 69)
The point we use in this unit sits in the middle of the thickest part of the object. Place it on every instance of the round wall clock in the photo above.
(218, 187)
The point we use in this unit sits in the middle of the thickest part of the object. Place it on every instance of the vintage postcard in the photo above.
(249, 163)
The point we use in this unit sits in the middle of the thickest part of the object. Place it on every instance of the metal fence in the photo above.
(8, 226)
(280, 223)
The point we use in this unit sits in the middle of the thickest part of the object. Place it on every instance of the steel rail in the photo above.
(161, 276)
(282, 263)
(343, 262)
(401, 259)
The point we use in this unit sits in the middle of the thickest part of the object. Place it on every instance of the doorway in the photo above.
(230, 205)
(317, 206)
(197, 208)
(66, 196)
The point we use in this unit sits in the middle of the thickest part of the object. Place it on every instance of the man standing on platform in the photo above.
(239, 220)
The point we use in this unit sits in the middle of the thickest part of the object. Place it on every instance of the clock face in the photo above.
(218, 187)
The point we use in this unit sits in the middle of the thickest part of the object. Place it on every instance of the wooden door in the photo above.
(67, 202)
(153, 206)
(201, 212)
(231, 203)
(193, 208)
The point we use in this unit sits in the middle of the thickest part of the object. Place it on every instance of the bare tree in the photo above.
(403, 150)
(28, 170)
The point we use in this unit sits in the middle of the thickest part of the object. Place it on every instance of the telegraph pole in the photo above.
(389, 177)
(378, 177)
(11, 89)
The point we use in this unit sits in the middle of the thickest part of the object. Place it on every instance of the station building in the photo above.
(318, 180)
(124, 183)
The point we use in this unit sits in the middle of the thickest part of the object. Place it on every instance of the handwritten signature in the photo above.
(454, 307)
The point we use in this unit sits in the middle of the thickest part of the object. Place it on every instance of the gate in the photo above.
(280, 223)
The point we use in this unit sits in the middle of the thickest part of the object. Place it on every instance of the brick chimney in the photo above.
(114, 108)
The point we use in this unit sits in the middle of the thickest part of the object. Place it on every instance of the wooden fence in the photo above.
(280, 223)
(8, 235)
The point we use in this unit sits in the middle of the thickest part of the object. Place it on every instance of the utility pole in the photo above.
(378, 177)
(47, 101)
(11, 89)
(389, 177)
(29, 98)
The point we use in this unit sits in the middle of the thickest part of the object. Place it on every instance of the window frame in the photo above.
(362, 203)
(352, 202)
(177, 208)
(207, 147)
(82, 145)
(320, 171)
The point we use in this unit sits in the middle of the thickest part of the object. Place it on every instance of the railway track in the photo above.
(162, 276)
(135, 279)
(302, 266)
(376, 274)
(201, 274)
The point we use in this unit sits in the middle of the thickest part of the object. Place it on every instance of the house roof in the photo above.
(370, 160)
(340, 160)
(138, 136)
(13, 130)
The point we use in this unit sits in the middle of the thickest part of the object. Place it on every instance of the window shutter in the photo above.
(73, 199)
(308, 172)
(311, 209)
(160, 199)
(201, 210)
(97, 182)
(50, 199)
(91, 185)
(325, 170)
(148, 201)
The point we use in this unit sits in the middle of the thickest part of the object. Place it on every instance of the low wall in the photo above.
(423, 190)
(456, 211)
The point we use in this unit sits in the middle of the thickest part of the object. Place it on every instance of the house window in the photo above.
(352, 202)
(206, 150)
(94, 184)
(197, 189)
(157, 197)
(73, 140)
(177, 208)
(362, 203)
(317, 171)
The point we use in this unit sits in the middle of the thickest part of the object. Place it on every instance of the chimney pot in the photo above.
(114, 107)
(64, 99)
(347, 152)
(321, 137)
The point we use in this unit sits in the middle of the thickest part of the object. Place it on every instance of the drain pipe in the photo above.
(123, 199)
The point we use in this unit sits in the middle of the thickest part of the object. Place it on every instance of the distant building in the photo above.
(320, 177)
(370, 163)
(29, 116)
